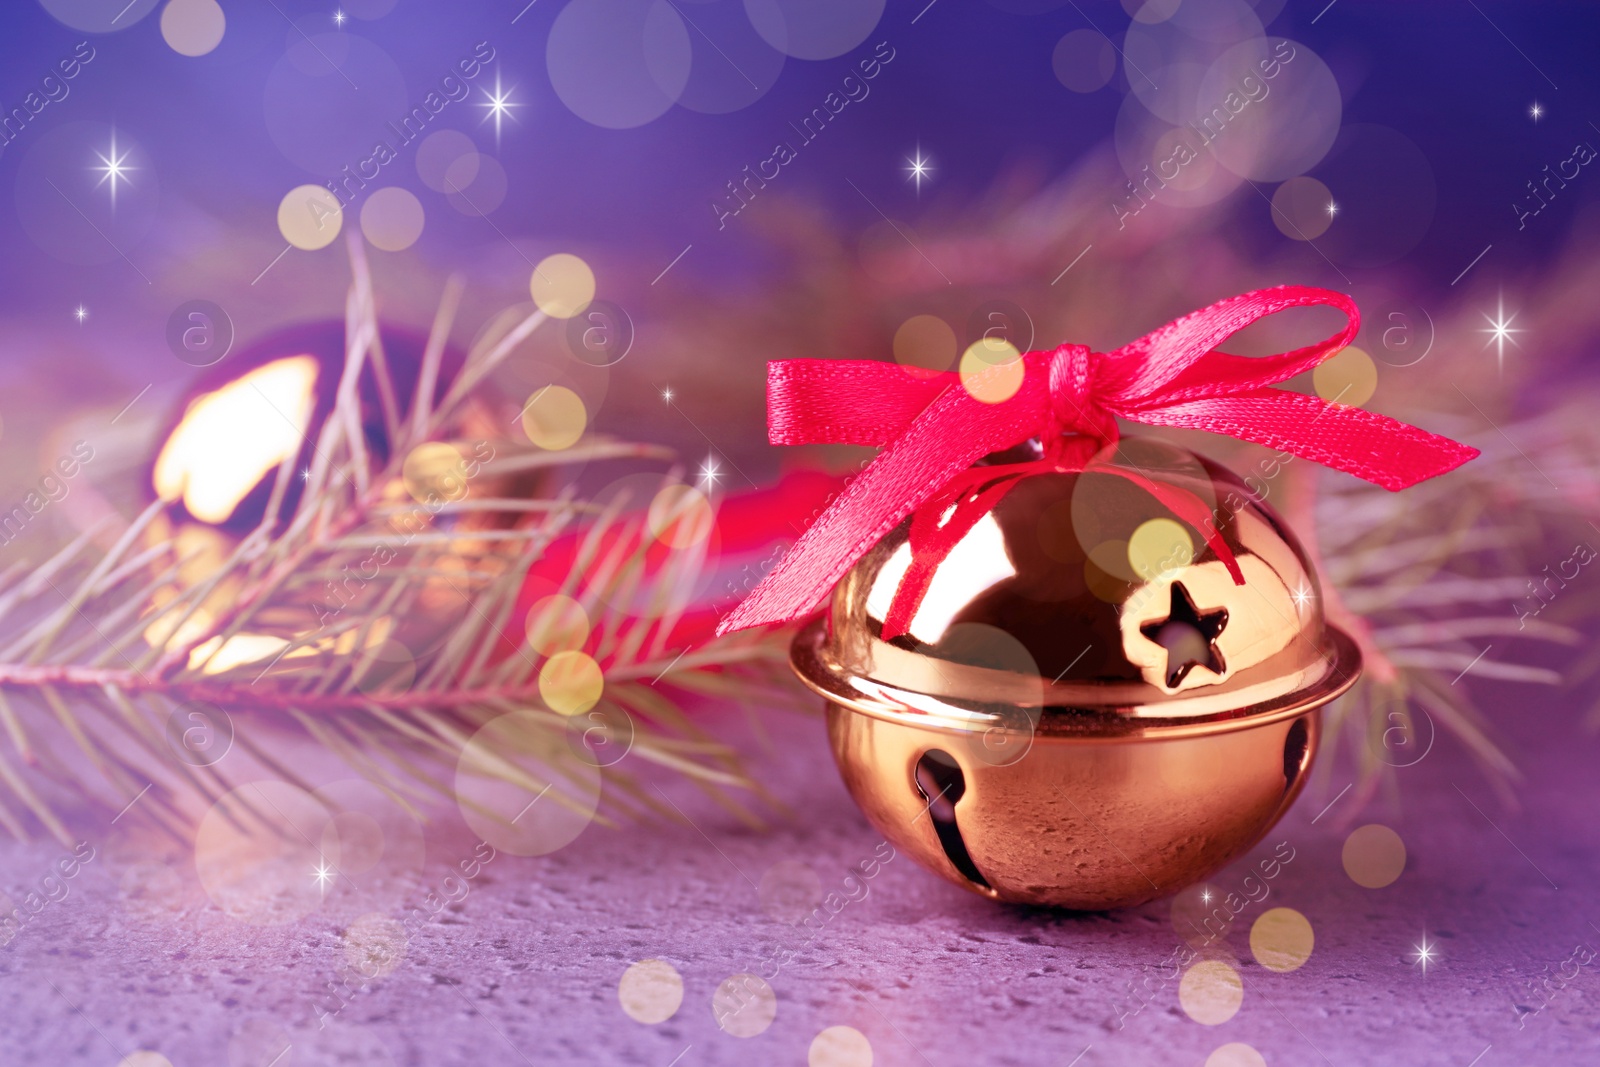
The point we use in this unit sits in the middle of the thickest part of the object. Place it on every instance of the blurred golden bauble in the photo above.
(1083, 714)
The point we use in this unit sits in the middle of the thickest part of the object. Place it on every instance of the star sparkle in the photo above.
(918, 167)
(113, 168)
(1302, 595)
(1536, 111)
(322, 874)
(1423, 954)
(497, 105)
(1500, 331)
(666, 394)
(1333, 209)
(710, 472)
(339, 17)
(1205, 895)
(81, 314)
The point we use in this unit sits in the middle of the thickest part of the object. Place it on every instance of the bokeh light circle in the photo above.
(1269, 129)
(554, 418)
(329, 102)
(1159, 548)
(1374, 856)
(193, 27)
(744, 1005)
(438, 151)
(257, 855)
(1235, 1054)
(925, 345)
(1084, 60)
(732, 66)
(1349, 377)
(392, 219)
(1387, 195)
(476, 184)
(562, 285)
(1302, 208)
(97, 16)
(1281, 939)
(571, 682)
(434, 472)
(839, 1046)
(650, 991)
(680, 516)
(1211, 992)
(992, 372)
(375, 945)
(505, 779)
(618, 63)
(557, 623)
(814, 29)
(309, 217)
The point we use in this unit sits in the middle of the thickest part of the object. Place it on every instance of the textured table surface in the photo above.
(526, 967)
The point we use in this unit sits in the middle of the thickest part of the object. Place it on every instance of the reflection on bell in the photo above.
(1099, 698)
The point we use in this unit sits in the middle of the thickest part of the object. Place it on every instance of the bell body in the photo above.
(1089, 711)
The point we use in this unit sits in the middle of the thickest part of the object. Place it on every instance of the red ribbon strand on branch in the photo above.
(934, 429)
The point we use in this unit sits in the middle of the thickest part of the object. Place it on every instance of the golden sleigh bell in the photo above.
(1088, 709)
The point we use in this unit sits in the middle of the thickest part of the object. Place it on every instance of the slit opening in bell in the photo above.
(1295, 745)
(939, 779)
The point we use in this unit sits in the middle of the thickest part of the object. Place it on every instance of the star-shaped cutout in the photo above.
(1189, 636)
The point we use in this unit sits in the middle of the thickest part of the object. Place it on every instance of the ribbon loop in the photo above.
(932, 429)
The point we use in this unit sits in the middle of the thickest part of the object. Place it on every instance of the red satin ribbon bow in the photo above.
(932, 430)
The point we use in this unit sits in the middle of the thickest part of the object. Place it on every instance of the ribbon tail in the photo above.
(911, 469)
(1379, 449)
(1191, 510)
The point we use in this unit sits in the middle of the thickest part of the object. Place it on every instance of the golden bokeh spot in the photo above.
(650, 991)
(309, 217)
(790, 890)
(554, 418)
(1302, 208)
(989, 378)
(1281, 939)
(925, 345)
(744, 1005)
(557, 623)
(374, 945)
(680, 516)
(562, 285)
(392, 219)
(229, 439)
(1211, 992)
(840, 1046)
(1374, 856)
(1159, 548)
(193, 27)
(1349, 378)
(435, 472)
(1236, 1054)
(571, 682)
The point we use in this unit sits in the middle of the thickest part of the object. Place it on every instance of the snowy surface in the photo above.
(525, 968)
